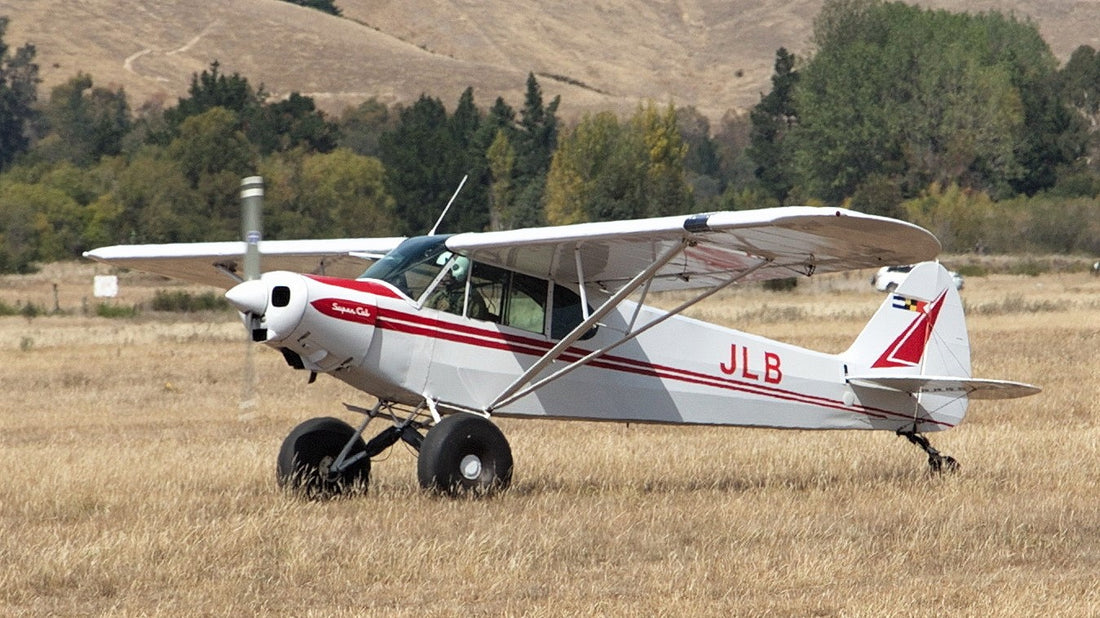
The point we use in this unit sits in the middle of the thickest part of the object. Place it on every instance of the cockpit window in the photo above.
(477, 290)
(412, 266)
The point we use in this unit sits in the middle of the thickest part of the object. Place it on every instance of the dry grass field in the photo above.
(133, 484)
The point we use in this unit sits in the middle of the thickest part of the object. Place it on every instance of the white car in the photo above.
(889, 277)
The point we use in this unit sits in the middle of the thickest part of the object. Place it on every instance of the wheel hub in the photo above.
(470, 466)
(324, 467)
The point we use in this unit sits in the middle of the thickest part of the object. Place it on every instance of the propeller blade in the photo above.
(250, 297)
(252, 203)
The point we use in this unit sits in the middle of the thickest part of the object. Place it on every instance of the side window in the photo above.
(526, 303)
(505, 297)
(486, 292)
(449, 293)
(492, 294)
(567, 314)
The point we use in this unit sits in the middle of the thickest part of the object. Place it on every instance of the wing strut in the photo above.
(517, 391)
(580, 277)
(580, 330)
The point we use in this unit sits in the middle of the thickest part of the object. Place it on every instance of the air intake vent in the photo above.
(280, 296)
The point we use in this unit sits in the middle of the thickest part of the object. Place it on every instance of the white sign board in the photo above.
(106, 286)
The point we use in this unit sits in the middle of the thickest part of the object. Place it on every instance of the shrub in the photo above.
(107, 310)
(972, 270)
(186, 302)
(31, 310)
(786, 284)
(1029, 267)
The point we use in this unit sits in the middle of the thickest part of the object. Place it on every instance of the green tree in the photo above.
(732, 139)
(605, 170)
(535, 141)
(212, 89)
(85, 122)
(210, 143)
(213, 156)
(959, 217)
(423, 165)
(584, 157)
(361, 127)
(345, 194)
(292, 123)
(18, 94)
(538, 129)
(502, 162)
(665, 190)
(38, 223)
(1080, 86)
(772, 120)
(921, 96)
(471, 209)
(284, 214)
(157, 202)
(878, 195)
(702, 163)
(18, 232)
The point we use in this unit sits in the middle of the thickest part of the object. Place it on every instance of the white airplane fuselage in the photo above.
(371, 336)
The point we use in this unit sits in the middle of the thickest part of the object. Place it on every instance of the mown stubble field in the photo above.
(134, 484)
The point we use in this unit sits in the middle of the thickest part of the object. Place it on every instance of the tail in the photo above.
(917, 344)
(918, 330)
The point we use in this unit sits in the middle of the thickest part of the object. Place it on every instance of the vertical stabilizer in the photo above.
(918, 330)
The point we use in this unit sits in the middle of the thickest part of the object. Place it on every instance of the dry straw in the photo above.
(132, 487)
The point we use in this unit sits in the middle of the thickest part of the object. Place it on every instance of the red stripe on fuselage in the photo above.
(415, 324)
(369, 286)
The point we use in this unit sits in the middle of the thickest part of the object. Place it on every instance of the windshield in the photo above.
(412, 266)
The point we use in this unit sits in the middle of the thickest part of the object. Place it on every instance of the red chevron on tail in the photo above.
(908, 348)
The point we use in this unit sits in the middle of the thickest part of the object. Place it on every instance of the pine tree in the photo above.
(18, 94)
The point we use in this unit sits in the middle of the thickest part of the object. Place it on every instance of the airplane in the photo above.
(450, 331)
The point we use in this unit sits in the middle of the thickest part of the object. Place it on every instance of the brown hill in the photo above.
(599, 54)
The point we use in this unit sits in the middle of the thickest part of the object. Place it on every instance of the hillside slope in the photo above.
(599, 54)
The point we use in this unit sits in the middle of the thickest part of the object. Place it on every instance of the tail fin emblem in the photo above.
(909, 304)
(908, 348)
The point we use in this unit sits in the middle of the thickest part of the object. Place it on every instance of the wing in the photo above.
(219, 263)
(788, 241)
(973, 388)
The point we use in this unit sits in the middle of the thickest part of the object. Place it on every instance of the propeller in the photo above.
(251, 295)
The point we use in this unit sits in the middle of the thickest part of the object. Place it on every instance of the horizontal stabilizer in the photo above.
(972, 388)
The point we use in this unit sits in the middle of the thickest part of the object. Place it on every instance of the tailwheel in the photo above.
(465, 454)
(937, 461)
(323, 457)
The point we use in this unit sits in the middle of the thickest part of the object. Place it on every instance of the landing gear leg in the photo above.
(937, 462)
(323, 457)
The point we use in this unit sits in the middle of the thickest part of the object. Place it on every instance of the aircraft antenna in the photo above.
(448, 206)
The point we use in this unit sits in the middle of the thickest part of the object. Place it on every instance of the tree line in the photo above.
(962, 123)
